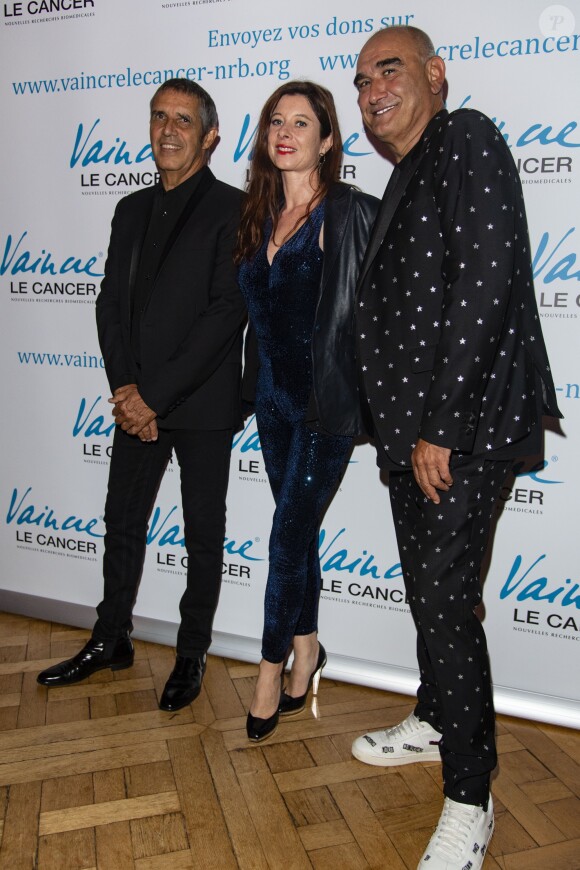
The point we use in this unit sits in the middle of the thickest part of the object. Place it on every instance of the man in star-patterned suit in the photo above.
(456, 378)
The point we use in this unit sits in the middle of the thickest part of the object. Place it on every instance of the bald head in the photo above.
(421, 40)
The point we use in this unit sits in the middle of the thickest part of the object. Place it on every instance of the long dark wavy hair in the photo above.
(265, 191)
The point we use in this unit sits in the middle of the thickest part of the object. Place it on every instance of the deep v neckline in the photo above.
(289, 239)
(285, 242)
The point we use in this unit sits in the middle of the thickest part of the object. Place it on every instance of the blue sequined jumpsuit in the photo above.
(303, 466)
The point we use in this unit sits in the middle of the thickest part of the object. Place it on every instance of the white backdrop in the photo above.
(76, 79)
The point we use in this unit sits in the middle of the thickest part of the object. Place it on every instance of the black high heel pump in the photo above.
(289, 705)
(259, 729)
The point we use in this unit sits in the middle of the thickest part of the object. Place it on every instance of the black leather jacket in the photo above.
(334, 404)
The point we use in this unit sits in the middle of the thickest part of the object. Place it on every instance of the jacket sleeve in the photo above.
(119, 369)
(334, 402)
(475, 199)
(251, 366)
(212, 335)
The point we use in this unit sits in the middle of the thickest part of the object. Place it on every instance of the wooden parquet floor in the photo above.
(96, 776)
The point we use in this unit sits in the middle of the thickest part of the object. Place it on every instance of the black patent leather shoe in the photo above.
(260, 729)
(184, 683)
(289, 705)
(89, 660)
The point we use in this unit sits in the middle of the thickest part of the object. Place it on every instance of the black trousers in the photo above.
(134, 476)
(441, 549)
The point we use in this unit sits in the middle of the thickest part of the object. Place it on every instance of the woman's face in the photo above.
(294, 139)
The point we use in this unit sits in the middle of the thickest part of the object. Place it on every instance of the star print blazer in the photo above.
(449, 336)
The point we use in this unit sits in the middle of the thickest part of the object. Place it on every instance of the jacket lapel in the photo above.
(392, 197)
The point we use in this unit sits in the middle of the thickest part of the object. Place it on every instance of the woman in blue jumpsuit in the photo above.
(296, 157)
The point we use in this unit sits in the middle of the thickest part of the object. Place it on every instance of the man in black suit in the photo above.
(456, 377)
(170, 319)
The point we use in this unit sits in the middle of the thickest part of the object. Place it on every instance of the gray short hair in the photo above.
(207, 109)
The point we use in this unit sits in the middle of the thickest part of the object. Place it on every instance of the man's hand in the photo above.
(148, 432)
(130, 411)
(431, 469)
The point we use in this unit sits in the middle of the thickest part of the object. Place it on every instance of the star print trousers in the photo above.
(304, 468)
(442, 548)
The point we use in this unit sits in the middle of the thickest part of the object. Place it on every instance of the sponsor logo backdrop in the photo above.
(77, 77)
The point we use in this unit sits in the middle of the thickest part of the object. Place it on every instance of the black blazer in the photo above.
(449, 335)
(191, 328)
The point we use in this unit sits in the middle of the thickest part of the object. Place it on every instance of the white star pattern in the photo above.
(451, 337)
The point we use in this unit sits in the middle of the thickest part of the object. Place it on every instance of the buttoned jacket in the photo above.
(449, 337)
(191, 327)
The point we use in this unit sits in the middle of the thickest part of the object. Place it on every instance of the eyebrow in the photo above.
(387, 61)
(183, 115)
(297, 115)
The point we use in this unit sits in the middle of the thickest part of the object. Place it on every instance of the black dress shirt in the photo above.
(167, 208)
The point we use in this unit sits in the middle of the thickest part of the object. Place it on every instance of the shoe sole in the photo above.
(262, 739)
(119, 666)
(169, 708)
(292, 712)
(387, 761)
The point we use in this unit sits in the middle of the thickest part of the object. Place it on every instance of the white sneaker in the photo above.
(410, 741)
(461, 838)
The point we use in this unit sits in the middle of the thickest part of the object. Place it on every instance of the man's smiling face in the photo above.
(398, 90)
(179, 146)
